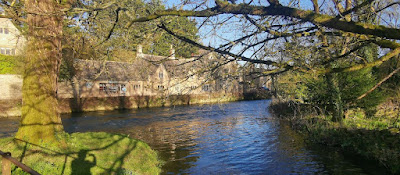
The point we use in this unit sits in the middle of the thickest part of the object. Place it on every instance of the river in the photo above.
(231, 138)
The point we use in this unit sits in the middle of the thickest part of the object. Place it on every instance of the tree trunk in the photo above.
(40, 121)
(335, 98)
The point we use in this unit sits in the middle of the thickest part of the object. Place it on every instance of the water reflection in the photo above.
(8, 126)
(232, 138)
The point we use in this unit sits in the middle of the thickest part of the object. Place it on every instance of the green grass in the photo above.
(85, 153)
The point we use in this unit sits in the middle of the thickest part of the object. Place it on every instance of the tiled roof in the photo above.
(144, 66)
(114, 71)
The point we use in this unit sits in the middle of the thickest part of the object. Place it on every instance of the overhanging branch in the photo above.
(378, 62)
(185, 39)
(278, 10)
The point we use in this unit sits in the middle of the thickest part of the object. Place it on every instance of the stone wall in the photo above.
(67, 105)
(10, 87)
(12, 39)
(10, 108)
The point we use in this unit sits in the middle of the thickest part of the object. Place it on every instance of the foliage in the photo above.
(162, 41)
(292, 85)
(315, 89)
(10, 64)
(111, 35)
(391, 86)
(335, 92)
(375, 138)
(86, 153)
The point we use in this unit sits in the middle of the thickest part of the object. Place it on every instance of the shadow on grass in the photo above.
(86, 153)
(82, 166)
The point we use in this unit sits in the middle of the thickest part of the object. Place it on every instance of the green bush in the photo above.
(10, 64)
(375, 138)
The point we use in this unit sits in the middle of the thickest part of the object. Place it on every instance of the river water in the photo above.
(231, 138)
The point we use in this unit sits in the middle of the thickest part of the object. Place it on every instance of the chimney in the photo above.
(172, 52)
(139, 51)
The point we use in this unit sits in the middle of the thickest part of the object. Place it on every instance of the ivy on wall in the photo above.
(10, 64)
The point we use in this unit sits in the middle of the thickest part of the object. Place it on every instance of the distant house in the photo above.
(11, 43)
(150, 75)
(11, 40)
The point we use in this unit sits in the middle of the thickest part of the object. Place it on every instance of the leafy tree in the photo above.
(108, 28)
(162, 41)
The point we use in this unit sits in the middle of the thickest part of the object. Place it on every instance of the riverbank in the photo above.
(12, 108)
(86, 153)
(376, 138)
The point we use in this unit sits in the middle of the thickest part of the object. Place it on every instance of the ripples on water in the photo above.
(231, 138)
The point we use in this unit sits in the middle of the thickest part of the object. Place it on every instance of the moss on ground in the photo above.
(85, 153)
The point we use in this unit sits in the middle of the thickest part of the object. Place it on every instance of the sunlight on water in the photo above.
(231, 138)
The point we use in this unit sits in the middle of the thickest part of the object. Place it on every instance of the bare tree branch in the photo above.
(243, 58)
(305, 15)
(378, 84)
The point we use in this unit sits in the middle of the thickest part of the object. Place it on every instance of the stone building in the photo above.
(10, 87)
(149, 80)
(11, 40)
(150, 75)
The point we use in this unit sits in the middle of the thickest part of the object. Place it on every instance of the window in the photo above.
(102, 87)
(6, 31)
(7, 51)
(160, 87)
(1, 30)
(112, 87)
(136, 86)
(206, 87)
(89, 85)
(123, 89)
(193, 87)
(161, 75)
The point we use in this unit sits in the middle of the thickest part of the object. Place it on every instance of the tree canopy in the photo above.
(105, 28)
(265, 27)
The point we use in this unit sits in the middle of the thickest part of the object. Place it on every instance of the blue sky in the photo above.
(228, 32)
(305, 4)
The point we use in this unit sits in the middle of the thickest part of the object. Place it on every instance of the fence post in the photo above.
(6, 165)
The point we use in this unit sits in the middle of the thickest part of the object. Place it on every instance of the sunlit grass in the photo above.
(85, 153)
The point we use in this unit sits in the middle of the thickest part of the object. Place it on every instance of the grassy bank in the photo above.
(375, 138)
(85, 153)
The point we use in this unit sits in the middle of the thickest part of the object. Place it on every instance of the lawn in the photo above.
(85, 153)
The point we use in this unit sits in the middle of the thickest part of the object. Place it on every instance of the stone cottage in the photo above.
(149, 75)
(11, 40)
